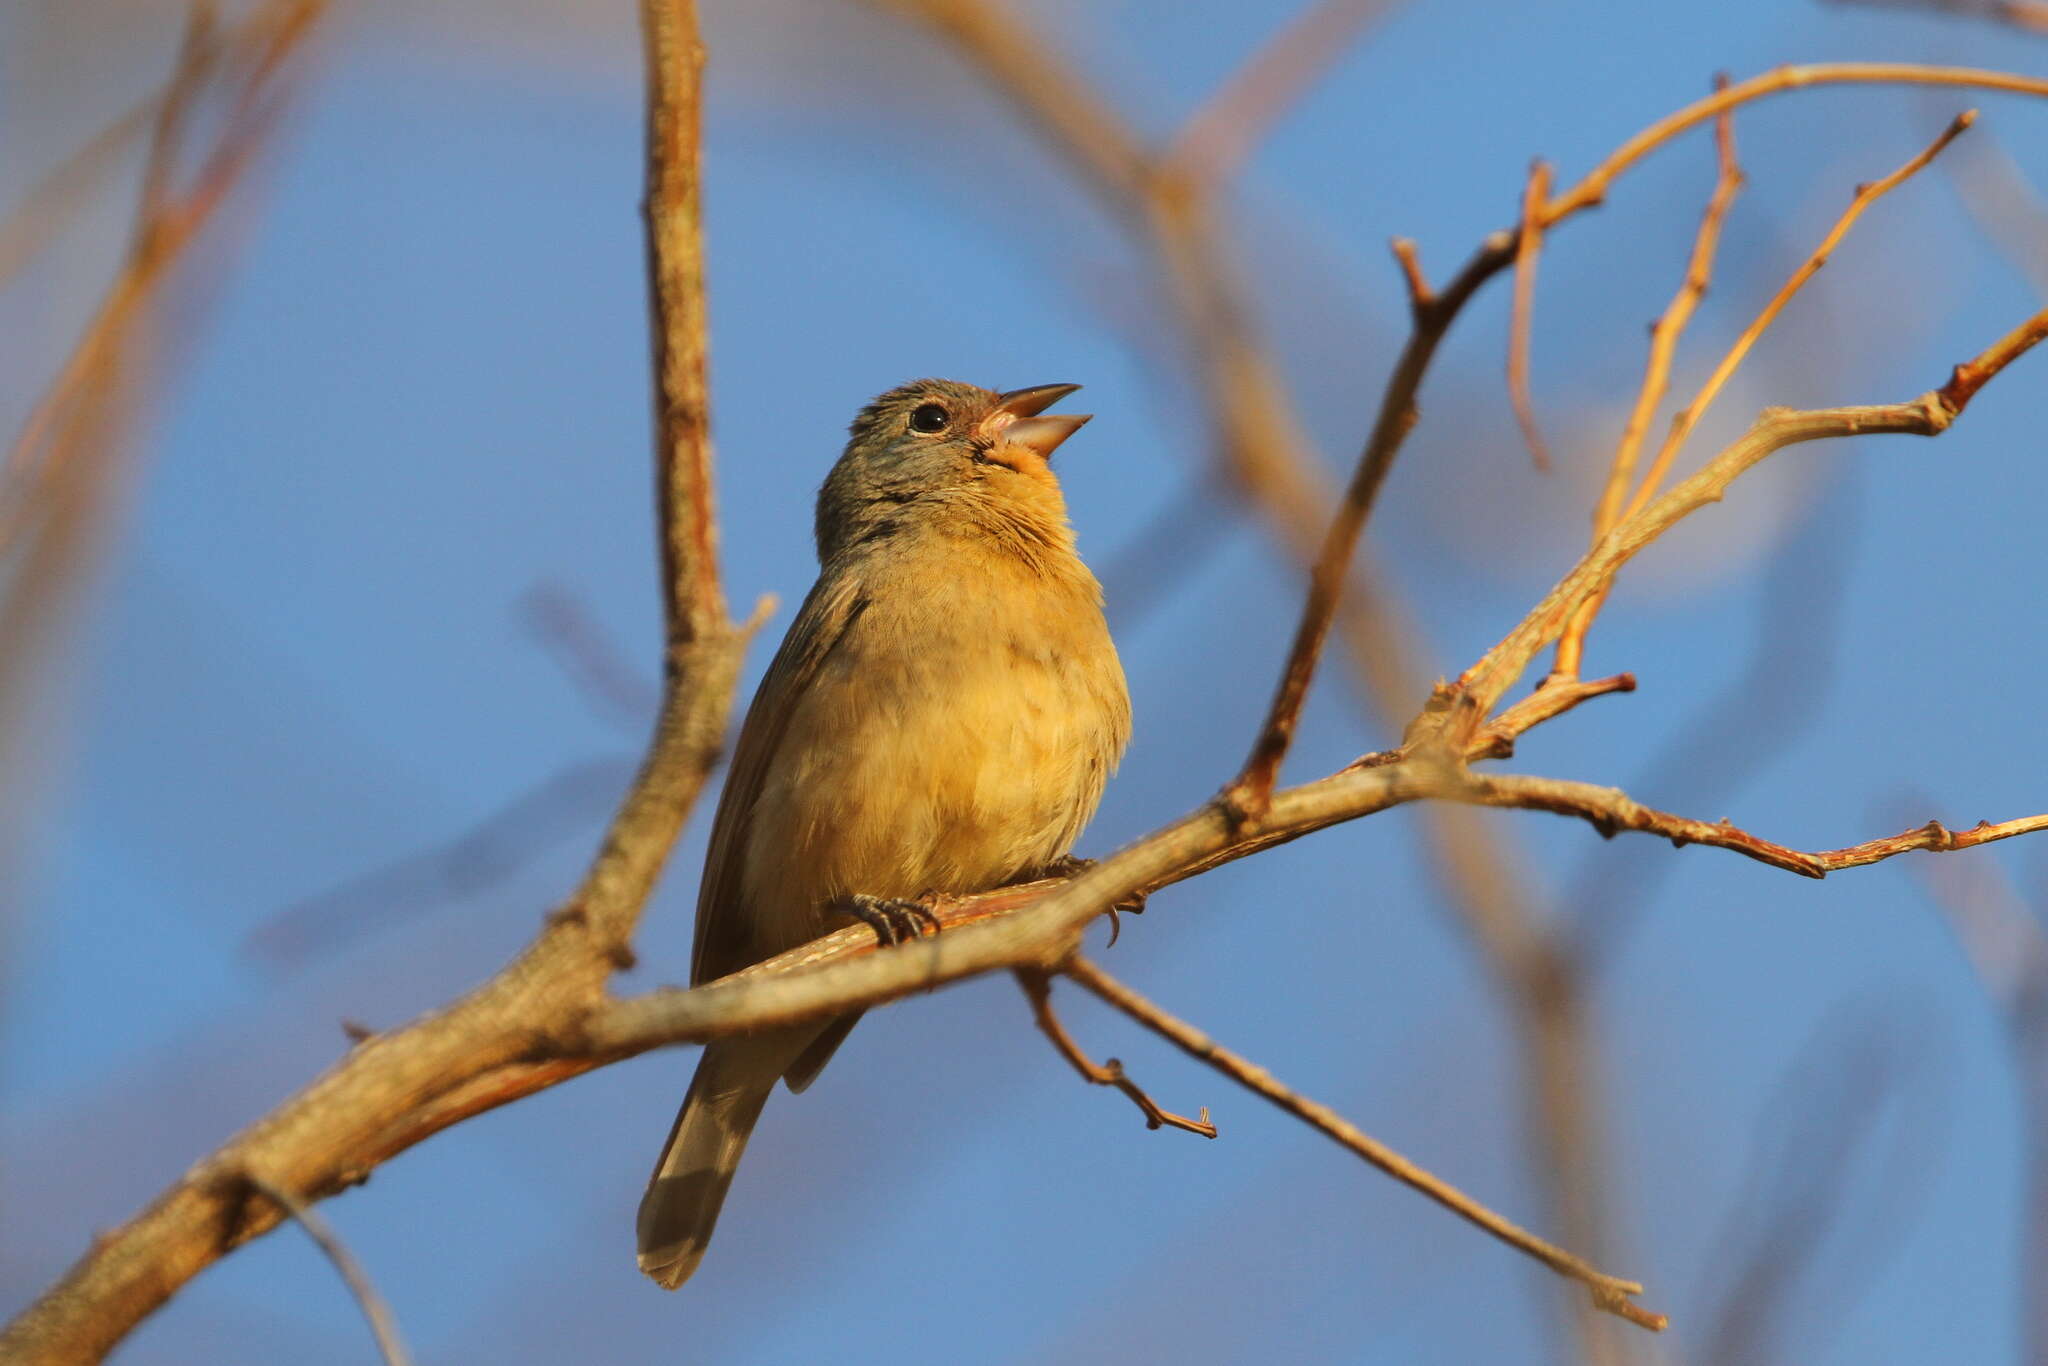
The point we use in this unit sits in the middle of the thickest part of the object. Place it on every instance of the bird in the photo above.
(941, 717)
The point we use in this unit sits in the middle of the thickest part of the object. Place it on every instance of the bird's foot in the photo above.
(893, 919)
(1066, 865)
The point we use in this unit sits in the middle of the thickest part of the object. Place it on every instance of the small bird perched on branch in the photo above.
(941, 717)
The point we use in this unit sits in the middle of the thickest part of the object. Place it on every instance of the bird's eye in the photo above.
(928, 417)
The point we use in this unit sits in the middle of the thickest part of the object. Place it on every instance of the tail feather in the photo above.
(688, 1187)
(819, 1051)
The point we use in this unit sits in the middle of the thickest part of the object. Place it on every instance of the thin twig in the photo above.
(1665, 334)
(1409, 258)
(1592, 188)
(1246, 797)
(1610, 810)
(383, 1326)
(1482, 685)
(1496, 739)
(1610, 1293)
(1528, 246)
(1866, 195)
(1038, 990)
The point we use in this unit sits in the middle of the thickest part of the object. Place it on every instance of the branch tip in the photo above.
(1037, 986)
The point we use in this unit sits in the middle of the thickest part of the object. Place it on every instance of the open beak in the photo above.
(1016, 420)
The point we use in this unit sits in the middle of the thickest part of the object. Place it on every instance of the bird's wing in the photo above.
(723, 944)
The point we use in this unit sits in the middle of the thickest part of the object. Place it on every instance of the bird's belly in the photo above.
(915, 780)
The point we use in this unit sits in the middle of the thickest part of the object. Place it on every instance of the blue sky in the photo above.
(419, 392)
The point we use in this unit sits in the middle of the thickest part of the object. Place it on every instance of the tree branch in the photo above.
(1665, 335)
(1609, 1293)
(1609, 809)
(547, 1015)
(331, 1133)
(1482, 685)
(1528, 245)
(1682, 426)
(1038, 990)
(383, 1326)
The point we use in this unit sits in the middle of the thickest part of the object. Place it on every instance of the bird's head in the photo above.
(939, 453)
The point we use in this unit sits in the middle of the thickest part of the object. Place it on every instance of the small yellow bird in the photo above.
(941, 717)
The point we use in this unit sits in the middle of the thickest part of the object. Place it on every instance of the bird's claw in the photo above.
(893, 919)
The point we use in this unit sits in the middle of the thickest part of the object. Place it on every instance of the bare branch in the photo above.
(1496, 739)
(547, 1015)
(1246, 797)
(383, 1326)
(1609, 1292)
(1866, 195)
(1482, 685)
(1609, 809)
(330, 1133)
(1406, 255)
(1038, 990)
(694, 603)
(1665, 334)
(1592, 189)
(1528, 244)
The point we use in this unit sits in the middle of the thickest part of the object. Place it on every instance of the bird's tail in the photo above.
(683, 1197)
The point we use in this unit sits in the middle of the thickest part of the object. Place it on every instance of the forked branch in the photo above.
(1609, 1293)
(1038, 990)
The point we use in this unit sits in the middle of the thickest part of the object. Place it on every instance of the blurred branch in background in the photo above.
(569, 801)
(1835, 1169)
(2004, 934)
(2006, 205)
(63, 475)
(565, 804)
(2030, 15)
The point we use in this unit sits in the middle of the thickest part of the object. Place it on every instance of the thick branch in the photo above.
(694, 604)
(330, 1133)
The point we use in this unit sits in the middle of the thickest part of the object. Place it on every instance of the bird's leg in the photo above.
(893, 919)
